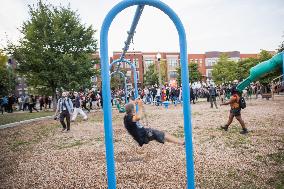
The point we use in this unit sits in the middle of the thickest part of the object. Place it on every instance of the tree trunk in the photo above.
(54, 100)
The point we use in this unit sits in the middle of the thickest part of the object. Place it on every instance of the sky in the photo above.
(210, 25)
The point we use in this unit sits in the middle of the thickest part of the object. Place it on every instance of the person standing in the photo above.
(41, 102)
(77, 108)
(192, 97)
(45, 102)
(26, 103)
(11, 101)
(1, 105)
(212, 97)
(235, 111)
(49, 101)
(32, 103)
(65, 108)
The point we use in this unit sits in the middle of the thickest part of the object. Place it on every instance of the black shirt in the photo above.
(135, 130)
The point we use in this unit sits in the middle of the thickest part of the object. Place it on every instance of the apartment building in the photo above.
(212, 57)
(205, 62)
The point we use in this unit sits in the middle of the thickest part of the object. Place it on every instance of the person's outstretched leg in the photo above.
(230, 120)
(239, 118)
(172, 139)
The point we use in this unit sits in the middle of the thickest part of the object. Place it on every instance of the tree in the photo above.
(55, 51)
(244, 67)
(7, 76)
(117, 80)
(267, 78)
(3, 59)
(225, 70)
(194, 73)
(164, 71)
(151, 76)
(281, 46)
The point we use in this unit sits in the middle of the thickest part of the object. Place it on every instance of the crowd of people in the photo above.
(24, 103)
(92, 99)
(70, 104)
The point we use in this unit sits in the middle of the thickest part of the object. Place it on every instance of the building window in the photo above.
(173, 63)
(128, 73)
(149, 61)
(137, 72)
(209, 73)
(136, 62)
(173, 74)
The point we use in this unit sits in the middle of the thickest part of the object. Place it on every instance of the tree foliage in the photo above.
(117, 80)
(226, 70)
(151, 76)
(194, 73)
(7, 76)
(55, 51)
(164, 71)
(281, 46)
(3, 59)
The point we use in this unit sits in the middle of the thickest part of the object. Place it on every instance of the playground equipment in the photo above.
(125, 84)
(105, 67)
(263, 68)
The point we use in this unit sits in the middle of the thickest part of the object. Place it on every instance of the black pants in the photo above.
(65, 114)
(41, 105)
(10, 108)
(25, 106)
(31, 107)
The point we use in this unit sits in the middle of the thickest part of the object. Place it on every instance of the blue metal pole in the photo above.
(134, 74)
(125, 86)
(125, 90)
(106, 86)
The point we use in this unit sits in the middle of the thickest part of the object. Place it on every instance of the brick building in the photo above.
(205, 62)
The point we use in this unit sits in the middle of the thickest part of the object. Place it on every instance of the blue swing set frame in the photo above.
(105, 73)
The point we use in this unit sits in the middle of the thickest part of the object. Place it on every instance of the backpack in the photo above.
(242, 103)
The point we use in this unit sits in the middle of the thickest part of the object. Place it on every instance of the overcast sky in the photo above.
(211, 25)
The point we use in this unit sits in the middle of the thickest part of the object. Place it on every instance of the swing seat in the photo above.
(166, 104)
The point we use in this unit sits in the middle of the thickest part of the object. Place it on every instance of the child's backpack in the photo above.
(242, 103)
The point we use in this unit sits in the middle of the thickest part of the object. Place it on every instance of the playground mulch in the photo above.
(38, 155)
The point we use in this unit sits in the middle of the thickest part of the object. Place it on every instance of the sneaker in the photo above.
(225, 127)
(63, 129)
(244, 131)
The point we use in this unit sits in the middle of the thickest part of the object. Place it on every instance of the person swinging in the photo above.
(141, 134)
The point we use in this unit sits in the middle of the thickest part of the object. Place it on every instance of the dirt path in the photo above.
(40, 156)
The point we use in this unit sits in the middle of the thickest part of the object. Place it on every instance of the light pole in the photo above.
(158, 56)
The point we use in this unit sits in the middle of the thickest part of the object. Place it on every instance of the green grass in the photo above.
(70, 144)
(16, 141)
(19, 116)
(17, 144)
